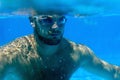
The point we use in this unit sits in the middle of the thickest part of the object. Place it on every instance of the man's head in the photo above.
(49, 28)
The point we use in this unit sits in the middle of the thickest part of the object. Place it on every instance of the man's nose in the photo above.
(54, 26)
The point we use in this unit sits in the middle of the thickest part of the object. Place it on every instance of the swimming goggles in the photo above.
(47, 20)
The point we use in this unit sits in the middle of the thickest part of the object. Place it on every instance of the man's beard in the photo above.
(48, 41)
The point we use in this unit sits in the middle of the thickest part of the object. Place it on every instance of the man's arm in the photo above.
(94, 65)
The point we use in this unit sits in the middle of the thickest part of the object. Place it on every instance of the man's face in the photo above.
(50, 28)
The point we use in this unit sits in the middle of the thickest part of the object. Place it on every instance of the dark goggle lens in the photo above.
(46, 20)
(50, 21)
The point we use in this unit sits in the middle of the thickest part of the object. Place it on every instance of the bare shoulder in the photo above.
(79, 48)
(16, 45)
(80, 53)
(11, 52)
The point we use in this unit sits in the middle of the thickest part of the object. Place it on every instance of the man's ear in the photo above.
(32, 21)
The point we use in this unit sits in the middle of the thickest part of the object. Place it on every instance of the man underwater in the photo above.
(46, 55)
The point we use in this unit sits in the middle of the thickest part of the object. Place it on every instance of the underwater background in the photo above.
(100, 33)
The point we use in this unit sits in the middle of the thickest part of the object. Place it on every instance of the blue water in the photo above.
(72, 7)
(101, 34)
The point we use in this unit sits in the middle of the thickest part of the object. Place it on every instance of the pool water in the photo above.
(101, 34)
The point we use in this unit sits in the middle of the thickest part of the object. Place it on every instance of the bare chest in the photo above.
(57, 68)
(54, 68)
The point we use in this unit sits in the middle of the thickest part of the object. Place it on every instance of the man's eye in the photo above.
(62, 20)
(46, 20)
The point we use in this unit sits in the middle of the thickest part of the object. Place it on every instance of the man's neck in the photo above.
(47, 50)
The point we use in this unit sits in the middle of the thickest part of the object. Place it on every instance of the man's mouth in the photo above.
(54, 33)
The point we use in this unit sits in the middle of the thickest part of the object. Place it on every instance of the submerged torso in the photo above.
(24, 62)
